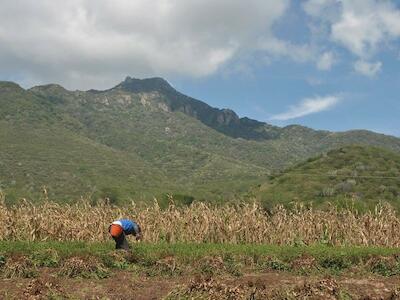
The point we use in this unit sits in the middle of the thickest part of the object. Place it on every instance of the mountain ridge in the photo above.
(224, 120)
(220, 117)
(190, 147)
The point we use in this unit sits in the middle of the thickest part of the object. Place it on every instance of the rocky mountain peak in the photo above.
(227, 116)
(135, 85)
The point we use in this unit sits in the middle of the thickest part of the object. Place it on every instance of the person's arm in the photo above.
(138, 234)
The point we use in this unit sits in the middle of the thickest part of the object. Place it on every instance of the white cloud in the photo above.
(95, 43)
(326, 9)
(314, 81)
(364, 27)
(326, 61)
(279, 48)
(306, 107)
(366, 68)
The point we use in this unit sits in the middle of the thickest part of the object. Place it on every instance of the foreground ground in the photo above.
(271, 285)
(67, 270)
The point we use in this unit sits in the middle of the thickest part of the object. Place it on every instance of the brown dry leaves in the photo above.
(216, 289)
(245, 223)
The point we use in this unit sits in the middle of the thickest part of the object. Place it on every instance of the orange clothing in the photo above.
(116, 230)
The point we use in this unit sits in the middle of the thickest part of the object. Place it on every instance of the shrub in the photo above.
(18, 267)
(45, 258)
(85, 267)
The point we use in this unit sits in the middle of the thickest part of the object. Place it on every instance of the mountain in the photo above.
(365, 175)
(142, 138)
(223, 120)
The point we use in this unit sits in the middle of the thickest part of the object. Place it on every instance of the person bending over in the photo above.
(120, 229)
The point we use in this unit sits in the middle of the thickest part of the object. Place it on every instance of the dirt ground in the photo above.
(125, 285)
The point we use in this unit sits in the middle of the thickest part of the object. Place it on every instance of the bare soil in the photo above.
(126, 285)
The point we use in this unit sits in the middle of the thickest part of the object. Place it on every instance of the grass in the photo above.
(161, 258)
(211, 268)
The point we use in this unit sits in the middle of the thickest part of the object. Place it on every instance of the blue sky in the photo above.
(326, 64)
(364, 101)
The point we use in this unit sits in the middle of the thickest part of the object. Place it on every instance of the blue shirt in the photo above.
(129, 227)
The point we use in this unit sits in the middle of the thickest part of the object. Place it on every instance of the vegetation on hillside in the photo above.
(365, 175)
(143, 139)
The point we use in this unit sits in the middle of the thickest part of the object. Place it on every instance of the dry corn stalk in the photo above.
(245, 223)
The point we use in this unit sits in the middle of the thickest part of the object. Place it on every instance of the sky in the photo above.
(325, 64)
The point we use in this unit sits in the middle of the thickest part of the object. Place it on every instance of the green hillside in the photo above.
(143, 139)
(74, 145)
(364, 175)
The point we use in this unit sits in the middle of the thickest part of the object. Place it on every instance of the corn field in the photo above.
(201, 223)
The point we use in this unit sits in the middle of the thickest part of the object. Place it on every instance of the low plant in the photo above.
(45, 258)
(18, 267)
(385, 266)
(272, 263)
(85, 267)
(335, 263)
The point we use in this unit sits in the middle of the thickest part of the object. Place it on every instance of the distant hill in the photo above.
(141, 139)
(364, 175)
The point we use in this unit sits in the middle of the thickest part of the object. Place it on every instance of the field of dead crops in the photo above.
(202, 223)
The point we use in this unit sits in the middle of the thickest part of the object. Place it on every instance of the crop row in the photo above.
(202, 223)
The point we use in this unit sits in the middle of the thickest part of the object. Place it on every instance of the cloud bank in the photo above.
(93, 43)
(306, 107)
